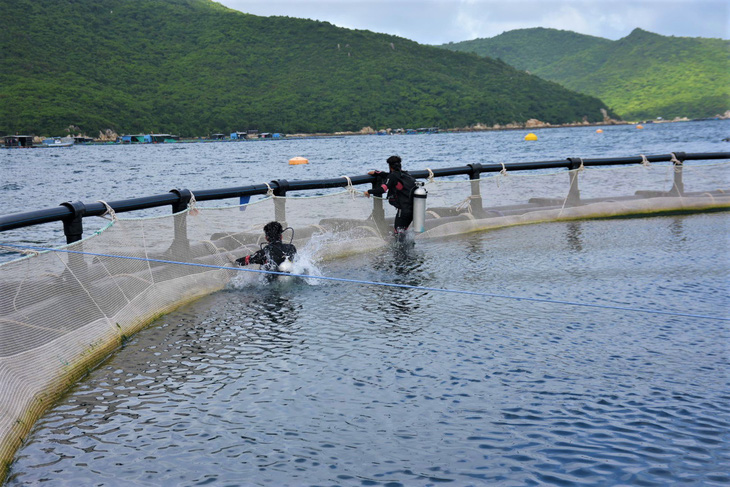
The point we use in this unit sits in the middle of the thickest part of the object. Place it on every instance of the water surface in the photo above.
(34, 179)
(328, 383)
(344, 384)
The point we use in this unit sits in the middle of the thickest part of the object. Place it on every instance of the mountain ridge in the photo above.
(195, 67)
(642, 75)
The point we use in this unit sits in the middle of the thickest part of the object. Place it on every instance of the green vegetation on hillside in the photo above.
(530, 49)
(193, 67)
(643, 75)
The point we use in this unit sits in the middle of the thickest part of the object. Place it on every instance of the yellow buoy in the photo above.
(599, 131)
(530, 136)
(639, 126)
(298, 160)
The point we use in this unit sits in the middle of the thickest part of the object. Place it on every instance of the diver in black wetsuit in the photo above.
(274, 253)
(399, 185)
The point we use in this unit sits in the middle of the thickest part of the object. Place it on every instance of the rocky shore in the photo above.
(110, 136)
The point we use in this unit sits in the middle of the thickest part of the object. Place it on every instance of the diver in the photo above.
(276, 255)
(399, 185)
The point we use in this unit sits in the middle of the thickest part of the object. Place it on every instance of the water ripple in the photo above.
(335, 384)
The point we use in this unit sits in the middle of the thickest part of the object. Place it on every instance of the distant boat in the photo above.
(17, 141)
(58, 142)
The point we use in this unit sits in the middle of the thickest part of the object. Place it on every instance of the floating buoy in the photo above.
(599, 131)
(298, 160)
(530, 136)
(639, 126)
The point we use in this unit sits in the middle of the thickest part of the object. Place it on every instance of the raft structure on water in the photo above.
(63, 310)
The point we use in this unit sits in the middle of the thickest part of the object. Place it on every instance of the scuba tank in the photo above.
(419, 208)
(286, 266)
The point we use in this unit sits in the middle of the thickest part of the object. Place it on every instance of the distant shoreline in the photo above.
(115, 139)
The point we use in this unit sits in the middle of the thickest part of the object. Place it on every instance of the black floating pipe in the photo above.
(61, 213)
(183, 199)
(73, 226)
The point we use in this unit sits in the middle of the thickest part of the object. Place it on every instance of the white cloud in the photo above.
(440, 21)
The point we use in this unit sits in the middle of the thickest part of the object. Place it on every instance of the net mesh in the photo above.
(62, 312)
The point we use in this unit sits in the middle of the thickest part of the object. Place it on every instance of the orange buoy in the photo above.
(639, 126)
(298, 160)
(599, 131)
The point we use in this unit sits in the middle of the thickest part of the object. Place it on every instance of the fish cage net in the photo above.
(62, 311)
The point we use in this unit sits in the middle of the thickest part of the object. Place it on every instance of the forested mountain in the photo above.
(643, 75)
(530, 49)
(193, 67)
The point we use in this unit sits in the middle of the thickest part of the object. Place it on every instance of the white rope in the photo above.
(676, 163)
(270, 192)
(192, 205)
(350, 188)
(565, 201)
(430, 175)
(21, 251)
(503, 172)
(644, 161)
(109, 211)
(464, 204)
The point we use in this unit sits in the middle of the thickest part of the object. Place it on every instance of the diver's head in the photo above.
(273, 231)
(394, 163)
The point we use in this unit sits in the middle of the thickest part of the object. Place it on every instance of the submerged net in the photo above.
(62, 312)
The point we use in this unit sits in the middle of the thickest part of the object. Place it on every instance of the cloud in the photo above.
(440, 21)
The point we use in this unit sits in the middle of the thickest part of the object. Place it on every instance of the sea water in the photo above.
(586, 355)
(33, 179)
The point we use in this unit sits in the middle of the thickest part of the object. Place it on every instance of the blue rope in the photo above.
(376, 283)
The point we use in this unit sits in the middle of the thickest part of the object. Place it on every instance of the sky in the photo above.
(442, 21)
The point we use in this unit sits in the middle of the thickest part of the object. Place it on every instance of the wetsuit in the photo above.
(271, 256)
(398, 196)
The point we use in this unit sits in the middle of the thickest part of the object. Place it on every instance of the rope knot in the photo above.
(193, 205)
(109, 211)
(350, 188)
(430, 175)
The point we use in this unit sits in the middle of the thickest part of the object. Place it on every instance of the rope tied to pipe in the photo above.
(270, 192)
(676, 163)
(109, 211)
(193, 205)
(466, 203)
(430, 176)
(350, 188)
(644, 161)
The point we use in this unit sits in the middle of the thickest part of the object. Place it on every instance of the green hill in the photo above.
(193, 67)
(530, 49)
(643, 75)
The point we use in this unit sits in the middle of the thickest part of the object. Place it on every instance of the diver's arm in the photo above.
(383, 187)
(380, 184)
(256, 258)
